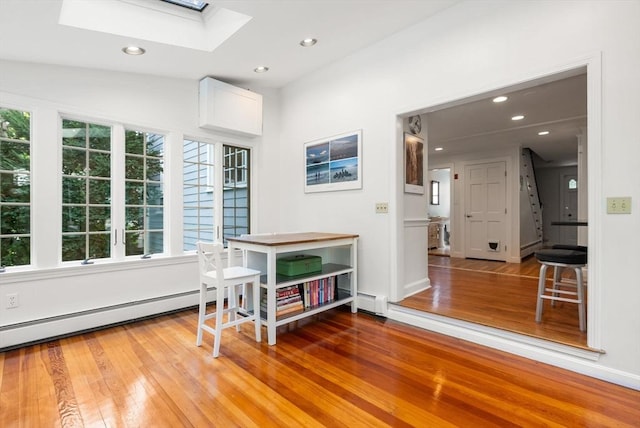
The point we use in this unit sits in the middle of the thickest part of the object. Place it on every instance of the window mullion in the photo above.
(117, 192)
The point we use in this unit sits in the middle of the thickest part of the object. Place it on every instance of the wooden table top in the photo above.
(274, 239)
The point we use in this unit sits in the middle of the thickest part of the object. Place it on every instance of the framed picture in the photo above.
(334, 163)
(413, 164)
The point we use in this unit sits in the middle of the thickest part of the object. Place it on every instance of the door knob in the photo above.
(468, 215)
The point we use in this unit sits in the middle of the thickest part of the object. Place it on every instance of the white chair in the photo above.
(214, 275)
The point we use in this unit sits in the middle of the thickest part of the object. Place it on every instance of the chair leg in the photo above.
(256, 307)
(541, 286)
(580, 292)
(219, 313)
(233, 299)
(201, 312)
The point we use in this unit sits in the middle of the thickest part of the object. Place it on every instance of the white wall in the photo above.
(167, 105)
(466, 50)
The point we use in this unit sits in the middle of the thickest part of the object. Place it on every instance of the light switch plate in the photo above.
(619, 205)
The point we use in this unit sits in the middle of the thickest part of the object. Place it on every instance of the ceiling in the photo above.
(30, 32)
(557, 104)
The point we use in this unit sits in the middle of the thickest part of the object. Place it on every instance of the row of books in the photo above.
(288, 299)
(319, 291)
(305, 295)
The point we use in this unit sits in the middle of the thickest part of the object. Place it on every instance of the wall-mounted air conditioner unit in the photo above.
(227, 108)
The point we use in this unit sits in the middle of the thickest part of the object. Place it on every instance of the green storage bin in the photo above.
(300, 264)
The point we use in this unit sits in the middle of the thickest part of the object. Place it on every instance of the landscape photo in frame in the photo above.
(334, 163)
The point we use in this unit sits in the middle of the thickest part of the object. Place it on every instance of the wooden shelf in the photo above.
(262, 251)
(343, 298)
(328, 269)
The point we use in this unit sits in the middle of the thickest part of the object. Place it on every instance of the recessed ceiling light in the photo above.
(261, 69)
(543, 133)
(517, 117)
(133, 50)
(438, 149)
(308, 42)
(500, 99)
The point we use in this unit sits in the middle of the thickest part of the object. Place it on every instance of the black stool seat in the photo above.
(559, 255)
(570, 247)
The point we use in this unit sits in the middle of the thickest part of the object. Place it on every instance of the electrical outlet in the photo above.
(382, 208)
(619, 205)
(12, 301)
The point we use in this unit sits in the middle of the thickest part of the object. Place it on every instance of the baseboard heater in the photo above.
(89, 312)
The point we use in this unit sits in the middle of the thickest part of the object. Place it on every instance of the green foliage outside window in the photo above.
(86, 190)
(144, 195)
(15, 187)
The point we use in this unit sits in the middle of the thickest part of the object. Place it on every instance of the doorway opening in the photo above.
(491, 276)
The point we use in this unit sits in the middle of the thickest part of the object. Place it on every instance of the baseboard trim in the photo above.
(20, 334)
(574, 359)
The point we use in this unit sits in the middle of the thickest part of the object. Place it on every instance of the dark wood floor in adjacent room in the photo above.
(497, 294)
(336, 369)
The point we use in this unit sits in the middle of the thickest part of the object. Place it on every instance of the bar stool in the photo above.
(562, 258)
(214, 275)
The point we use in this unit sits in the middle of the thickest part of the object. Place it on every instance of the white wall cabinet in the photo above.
(227, 108)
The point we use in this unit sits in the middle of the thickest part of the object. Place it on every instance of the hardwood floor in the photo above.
(336, 369)
(496, 294)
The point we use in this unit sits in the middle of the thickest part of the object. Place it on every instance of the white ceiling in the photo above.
(30, 32)
(557, 104)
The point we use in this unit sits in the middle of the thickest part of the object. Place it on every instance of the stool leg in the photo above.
(201, 312)
(256, 307)
(580, 292)
(219, 313)
(557, 278)
(541, 285)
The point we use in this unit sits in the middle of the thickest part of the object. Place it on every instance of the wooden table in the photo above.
(339, 254)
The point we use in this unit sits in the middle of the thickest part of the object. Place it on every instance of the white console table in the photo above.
(339, 254)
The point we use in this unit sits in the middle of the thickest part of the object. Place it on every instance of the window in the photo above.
(573, 184)
(236, 192)
(207, 186)
(15, 188)
(198, 185)
(90, 211)
(86, 191)
(435, 192)
(189, 4)
(144, 197)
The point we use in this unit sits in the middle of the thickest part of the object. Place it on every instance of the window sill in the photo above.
(20, 274)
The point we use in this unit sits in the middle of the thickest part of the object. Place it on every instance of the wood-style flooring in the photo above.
(334, 370)
(496, 294)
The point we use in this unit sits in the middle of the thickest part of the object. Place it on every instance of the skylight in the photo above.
(191, 4)
(149, 20)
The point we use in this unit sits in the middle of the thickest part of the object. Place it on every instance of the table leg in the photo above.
(271, 297)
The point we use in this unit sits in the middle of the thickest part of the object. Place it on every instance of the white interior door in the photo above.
(569, 209)
(485, 211)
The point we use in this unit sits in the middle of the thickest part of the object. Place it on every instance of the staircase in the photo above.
(530, 207)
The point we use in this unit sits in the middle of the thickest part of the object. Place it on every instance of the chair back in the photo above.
(210, 260)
